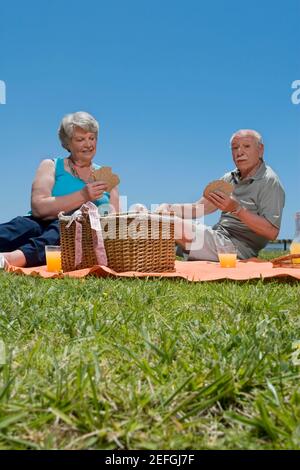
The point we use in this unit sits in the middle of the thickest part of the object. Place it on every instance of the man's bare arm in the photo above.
(255, 222)
(189, 210)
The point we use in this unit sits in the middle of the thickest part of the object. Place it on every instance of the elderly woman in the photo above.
(61, 184)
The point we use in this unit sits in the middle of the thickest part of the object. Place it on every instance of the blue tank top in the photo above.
(65, 183)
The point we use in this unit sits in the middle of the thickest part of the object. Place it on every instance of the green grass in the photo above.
(149, 364)
(267, 255)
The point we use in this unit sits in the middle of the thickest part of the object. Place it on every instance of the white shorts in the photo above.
(204, 247)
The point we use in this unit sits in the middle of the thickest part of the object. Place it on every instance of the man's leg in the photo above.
(197, 239)
(184, 231)
(204, 248)
(184, 234)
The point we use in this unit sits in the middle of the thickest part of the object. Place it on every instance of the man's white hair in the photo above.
(248, 133)
(70, 121)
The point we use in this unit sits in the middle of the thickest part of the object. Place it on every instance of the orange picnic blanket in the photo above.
(189, 270)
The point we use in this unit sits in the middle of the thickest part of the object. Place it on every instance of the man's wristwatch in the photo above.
(237, 210)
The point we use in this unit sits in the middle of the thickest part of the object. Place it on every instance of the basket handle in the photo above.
(134, 214)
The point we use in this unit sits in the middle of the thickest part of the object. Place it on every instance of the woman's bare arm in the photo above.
(114, 199)
(45, 206)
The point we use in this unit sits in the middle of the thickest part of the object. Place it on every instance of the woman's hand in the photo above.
(222, 201)
(93, 191)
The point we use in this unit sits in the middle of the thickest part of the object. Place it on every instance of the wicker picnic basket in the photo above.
(140, 242)
(286, 261)
(67, 243)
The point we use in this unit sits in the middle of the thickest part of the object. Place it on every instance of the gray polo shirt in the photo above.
(262, 194)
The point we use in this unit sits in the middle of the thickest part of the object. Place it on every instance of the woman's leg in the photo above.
(16, 258)
(15, 233)
(34, 249)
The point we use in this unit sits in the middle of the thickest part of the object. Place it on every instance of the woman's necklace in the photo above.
(74, 172)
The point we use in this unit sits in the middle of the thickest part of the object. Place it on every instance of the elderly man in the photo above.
(251, 215)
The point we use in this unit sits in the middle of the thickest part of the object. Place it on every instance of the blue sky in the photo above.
(169, 82)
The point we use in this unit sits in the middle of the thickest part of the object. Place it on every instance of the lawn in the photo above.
(149, 364)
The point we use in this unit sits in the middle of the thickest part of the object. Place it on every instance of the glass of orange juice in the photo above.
(53, 258)
(227, 253)
(295, 250)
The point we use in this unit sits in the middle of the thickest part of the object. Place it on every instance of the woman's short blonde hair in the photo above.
(70, 121)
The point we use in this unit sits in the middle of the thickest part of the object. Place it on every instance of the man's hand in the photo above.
(222, 201)
(167, 208)
(93, 191)
(164, 208)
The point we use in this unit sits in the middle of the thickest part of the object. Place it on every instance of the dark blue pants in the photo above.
(29, 235)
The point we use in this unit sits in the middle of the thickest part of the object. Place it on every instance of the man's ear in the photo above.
(261, 151)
